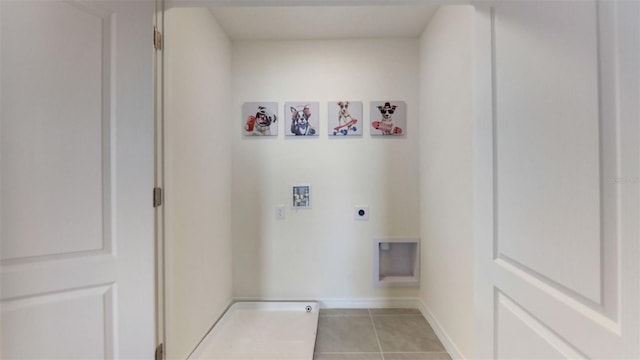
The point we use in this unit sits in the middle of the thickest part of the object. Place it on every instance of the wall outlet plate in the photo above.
(361, 212)
(280, 212)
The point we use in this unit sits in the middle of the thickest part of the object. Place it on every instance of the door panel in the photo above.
(557, 179)
(76, 138)
(524, 337)
(53, 98)
(88, 331)
(546, 77)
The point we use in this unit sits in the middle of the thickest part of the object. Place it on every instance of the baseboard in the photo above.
(446, 340)
(350, 303)
(374, 303)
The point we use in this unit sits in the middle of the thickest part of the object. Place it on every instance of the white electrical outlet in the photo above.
(280, 212)
(361, 212)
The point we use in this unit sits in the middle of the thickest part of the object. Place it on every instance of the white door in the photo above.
(76, 133)
(557, 144)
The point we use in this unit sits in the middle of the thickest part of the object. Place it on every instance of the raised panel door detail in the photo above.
(75, 324)
(55, 132)
(77, 159)
(520, 336)
(547, 149)
(557, 139)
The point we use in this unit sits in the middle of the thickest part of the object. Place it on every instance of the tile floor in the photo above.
(380, 334)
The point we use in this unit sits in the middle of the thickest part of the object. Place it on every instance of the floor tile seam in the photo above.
(395, 313)
(346, 352)
(415, 352)
(420, 315)
(375, 332)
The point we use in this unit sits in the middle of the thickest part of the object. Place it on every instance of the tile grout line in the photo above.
(417, 352)
(375, 332)
(345, 352)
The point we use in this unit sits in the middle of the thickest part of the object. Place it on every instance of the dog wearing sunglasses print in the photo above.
(385, 125)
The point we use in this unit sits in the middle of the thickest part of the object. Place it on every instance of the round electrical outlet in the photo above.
(361, 212)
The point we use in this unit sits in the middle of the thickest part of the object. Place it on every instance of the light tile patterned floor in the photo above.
(376, 334)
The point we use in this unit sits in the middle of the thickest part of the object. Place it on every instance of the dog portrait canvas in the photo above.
(345, 118)
(302, 118)
(260, 119)
(388, 118)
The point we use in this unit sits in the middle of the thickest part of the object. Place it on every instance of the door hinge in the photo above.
(157, 197)
(157, 39)
(160, 352)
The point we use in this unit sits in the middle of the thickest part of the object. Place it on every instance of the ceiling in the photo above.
(323, 22)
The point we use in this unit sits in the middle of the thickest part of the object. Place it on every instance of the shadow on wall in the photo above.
(249, 227)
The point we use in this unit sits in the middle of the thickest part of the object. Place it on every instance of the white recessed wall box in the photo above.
(396, 262)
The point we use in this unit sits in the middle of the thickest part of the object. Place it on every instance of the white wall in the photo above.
(197, 176)
(446, 175)
(321, 253)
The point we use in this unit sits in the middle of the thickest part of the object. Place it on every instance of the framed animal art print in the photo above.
(388, 118)
(345, 118)
(260, 119)
(302, 118)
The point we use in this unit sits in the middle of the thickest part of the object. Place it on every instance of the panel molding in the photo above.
(15, 303)
(107, 19)
(614, 331)
(52, 257)
(110, 320)
(106, 292)
(46, 277)
(550, 286)
(100, 62)
(544, 286)
(608, 156)
(554, 340)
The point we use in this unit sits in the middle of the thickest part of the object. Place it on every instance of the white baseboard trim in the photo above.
(446, 340)
(351, 303)
(374, 303)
